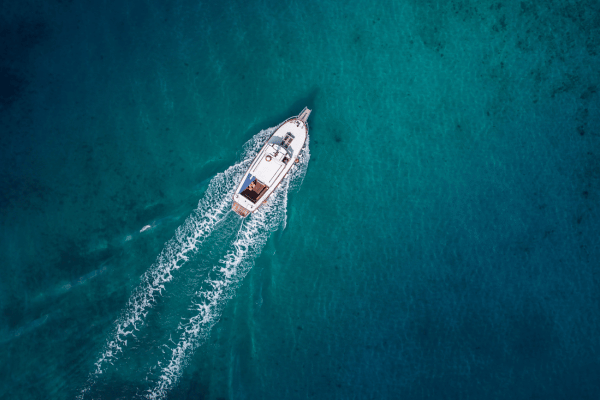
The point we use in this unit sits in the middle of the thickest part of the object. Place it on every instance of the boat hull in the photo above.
(272, 164)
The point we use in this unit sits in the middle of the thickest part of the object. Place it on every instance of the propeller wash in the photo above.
(201, 267)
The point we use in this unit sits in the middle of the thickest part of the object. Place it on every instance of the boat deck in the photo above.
(272, 164)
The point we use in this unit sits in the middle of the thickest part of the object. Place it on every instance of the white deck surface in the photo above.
(268, 170)
(272, 172)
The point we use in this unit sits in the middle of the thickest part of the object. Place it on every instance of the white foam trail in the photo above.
(226, 277)
(145, 228)
(212, 208)
(221, 284)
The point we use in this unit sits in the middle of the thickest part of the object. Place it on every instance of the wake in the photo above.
(221, 284)
(222, 279)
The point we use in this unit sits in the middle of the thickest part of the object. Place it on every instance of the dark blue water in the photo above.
(442, 242)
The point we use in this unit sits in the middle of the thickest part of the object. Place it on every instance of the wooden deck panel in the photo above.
(304, 114)
(241, 211)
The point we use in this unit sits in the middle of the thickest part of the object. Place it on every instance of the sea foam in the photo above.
(226, 276)
(212, 208)
(221, 281)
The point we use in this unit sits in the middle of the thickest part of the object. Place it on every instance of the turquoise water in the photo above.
(440, 243)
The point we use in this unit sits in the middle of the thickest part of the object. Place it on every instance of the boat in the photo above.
(272, 164)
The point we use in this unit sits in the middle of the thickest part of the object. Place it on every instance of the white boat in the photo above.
(272, 164)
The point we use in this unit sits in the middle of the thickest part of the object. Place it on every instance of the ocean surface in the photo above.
(439, 240)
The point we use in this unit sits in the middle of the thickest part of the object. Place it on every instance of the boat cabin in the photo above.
(254, 189)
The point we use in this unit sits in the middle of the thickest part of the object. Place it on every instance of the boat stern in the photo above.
(241, 211)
